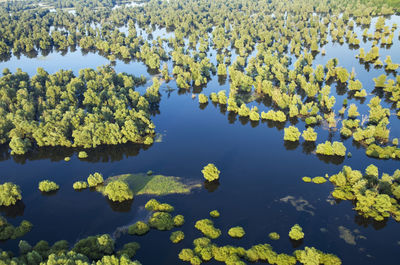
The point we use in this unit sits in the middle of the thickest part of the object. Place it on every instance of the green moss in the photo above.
(177, 236)
(138, 228)
(296, 232)
(274, 236)
(206, 226)
(10, 193)
(210, 172)
(236, 232)
(214, 214)
(47, 186)
(161, 221)
(160, 185)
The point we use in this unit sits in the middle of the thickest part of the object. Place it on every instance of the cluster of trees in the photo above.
(376, 195)
(48, 186)
(206, 226)
(10, 194)
(296, 232)
(98, 250)
(118, 191)
(210, 172)
(96, 108)
(8, 231)
(236, 232)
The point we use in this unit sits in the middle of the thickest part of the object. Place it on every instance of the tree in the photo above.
(296, 232)
(309, 135)
(210, 172)
(118, 191)
(10, 193)
(47, 186)
(291, 134)
(236, 232)
(95, 179)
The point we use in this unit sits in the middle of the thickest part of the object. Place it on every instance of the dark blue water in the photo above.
(257, 170)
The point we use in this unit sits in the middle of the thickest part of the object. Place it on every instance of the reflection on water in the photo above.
(14, 210)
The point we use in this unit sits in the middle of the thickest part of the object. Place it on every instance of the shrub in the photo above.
(186, 254)
(210, 172)
(154, 205)
(254, 116)
(82, 154)
(161, 221)
(9, 194)
(95, 179)
(306, 179)
(95, 247)
(236, 232)
(318, 180)
(177, 236)
(296, 232)
(179, 220)
(214, 214)
(203, 99)
(291, 134)
(309, 135)
(129, 250)
(78, 185)
(138, 228)
(274, 236)
(47, 186)
(206, 226)
(118, 191)
(330, 149)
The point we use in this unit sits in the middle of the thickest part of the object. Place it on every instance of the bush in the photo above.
(274, 236)
(78, 185)
(318, 180)
(296, 232)
(154, 205)
(309, 135)
(95, 179)
(161, 221)
(118, 191)
(330, 149)
(291, 134)
(203, 99)
(206, 226)
(214, 214)
(138, 228)
(47, 186)
(186, 254)
(210, 172)
(129, 249)
(9, 194)
(177, 236)
(236, 232)
(306, 179)
(179, 220)
(82, 154)
(95, 247)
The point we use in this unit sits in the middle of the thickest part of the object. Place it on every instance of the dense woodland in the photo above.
(266, 50)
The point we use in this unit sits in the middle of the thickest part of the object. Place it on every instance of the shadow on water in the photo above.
(104, 153)
(336, 160)
(122, 207)
(14, 210)
(211, 186)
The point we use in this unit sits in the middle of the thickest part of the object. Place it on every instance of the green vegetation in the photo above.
(118, 191)
(10, 193)
(274, 236)
(206, 226)
(141, 184)
(177, 236)
(210, 172)
(154, 205)
(138, 228)
(237, 232)
(48, 186)
(214, 214)
(95, 179)
(79, 185)
(291, 134)
(309, 135)
(375, 197)
(331, 149)
(64, 110)
(319, 180)
(296, 232)
(8, 231)
(203, 99)
(82, 154)
(161, 221)
(179, 220)
(95, 247)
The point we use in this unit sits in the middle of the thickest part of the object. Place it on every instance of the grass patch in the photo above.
(152, 185)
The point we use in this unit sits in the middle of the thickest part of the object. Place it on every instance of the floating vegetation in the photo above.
(346, 235)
